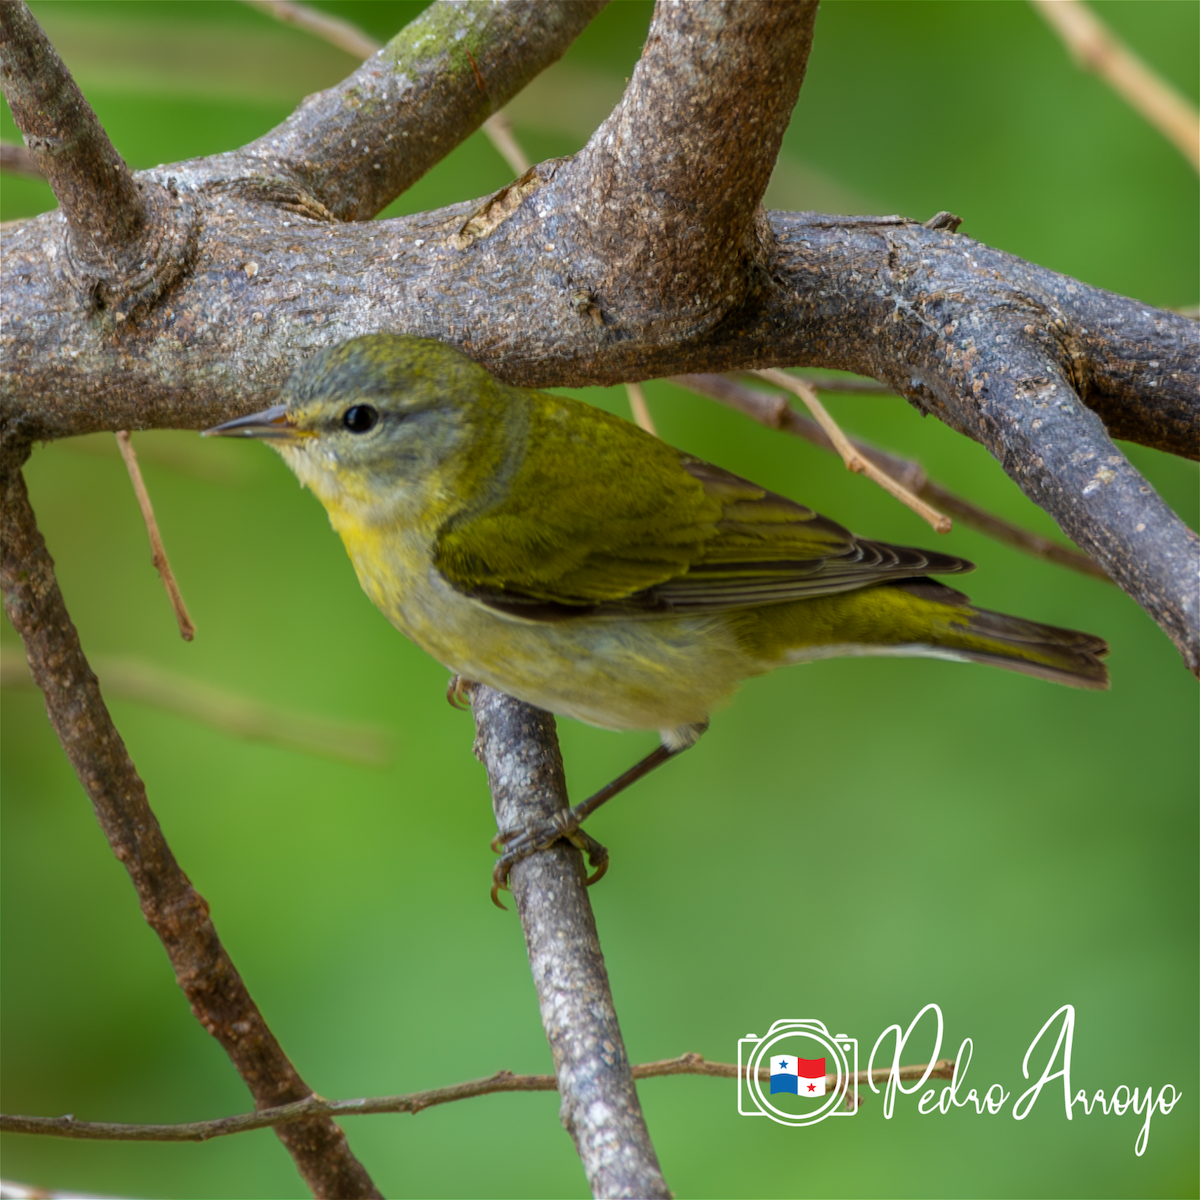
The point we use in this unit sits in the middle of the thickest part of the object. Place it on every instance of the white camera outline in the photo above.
(837, 1048)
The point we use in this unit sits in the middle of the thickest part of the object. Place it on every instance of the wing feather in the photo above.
(624, 525)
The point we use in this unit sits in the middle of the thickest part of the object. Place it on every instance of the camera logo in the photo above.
(810, 1074)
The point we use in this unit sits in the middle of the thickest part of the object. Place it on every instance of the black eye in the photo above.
(360, 418)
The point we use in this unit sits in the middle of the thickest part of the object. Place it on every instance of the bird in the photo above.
(557, 553)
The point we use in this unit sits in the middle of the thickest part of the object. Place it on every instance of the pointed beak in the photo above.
(271, 424)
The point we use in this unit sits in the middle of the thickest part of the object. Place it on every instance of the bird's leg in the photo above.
(520, 843)
(458, 691)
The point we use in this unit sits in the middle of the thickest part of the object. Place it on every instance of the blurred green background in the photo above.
(994, 844)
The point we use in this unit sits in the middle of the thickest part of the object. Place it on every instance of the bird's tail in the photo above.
(924, 618)
(1045, 651)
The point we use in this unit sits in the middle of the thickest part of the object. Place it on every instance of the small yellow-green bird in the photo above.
(566, 557)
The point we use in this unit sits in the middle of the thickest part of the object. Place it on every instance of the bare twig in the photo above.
(240, 716)
(500, 132)
(854, 461)
(773, 411)
(172, 907)
(343, 34)
(413, 1102)
(825, 382)
(158, 553)
(19, 160)
(1095, 48)
(353, 40)
(600, 1108)
(641, 410)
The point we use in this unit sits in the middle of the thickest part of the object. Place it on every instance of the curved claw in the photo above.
(513, 845)
(499, 883)
(458, 692)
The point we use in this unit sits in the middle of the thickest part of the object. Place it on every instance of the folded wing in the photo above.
(606, 519)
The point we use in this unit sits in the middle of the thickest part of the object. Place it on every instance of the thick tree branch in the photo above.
(414, 1102)
(600, 1109)
(172, 907)
(99, 197)
(354, 148)
(129, 239)
(668, 188)
(972, 334)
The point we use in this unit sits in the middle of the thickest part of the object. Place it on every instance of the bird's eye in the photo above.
(360, 418)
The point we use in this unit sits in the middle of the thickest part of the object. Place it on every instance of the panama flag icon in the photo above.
(801, 1076)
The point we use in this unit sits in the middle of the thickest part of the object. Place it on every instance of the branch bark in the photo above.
(127, 239)
(348, 152)
(171, 906)
(600, 1108)
(99, 197)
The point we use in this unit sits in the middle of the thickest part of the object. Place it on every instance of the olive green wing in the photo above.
(602, 518)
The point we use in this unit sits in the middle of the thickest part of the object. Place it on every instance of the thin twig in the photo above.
(158, 553)
(174, 910)
(843, 383)
(240, 716)
(1095, 48)
(854, 461)
(641, 410)
(349, 37)
(343, 34)
(19, 160)
(774, 412)
(499, 130)
(413, 1102)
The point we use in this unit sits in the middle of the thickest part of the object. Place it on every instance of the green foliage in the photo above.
(992, 843)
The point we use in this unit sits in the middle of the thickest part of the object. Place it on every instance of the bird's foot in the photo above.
(458, 692)
(518, 844)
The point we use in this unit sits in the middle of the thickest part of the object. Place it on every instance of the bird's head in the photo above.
(377, 425)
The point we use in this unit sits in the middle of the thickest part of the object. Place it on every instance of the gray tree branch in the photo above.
(171, 906)
(127, 239)
(600, 1108)
(99, 197)
(351, 150)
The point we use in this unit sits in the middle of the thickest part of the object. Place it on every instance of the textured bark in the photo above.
(127, 240)
(600, 1108)
(350, 151)
(171, 906)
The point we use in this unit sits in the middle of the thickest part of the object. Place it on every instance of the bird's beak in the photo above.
(271, 424)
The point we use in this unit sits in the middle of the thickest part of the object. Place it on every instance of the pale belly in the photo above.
(659, 673)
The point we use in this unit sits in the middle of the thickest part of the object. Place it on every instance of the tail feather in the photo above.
(1044, 651)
